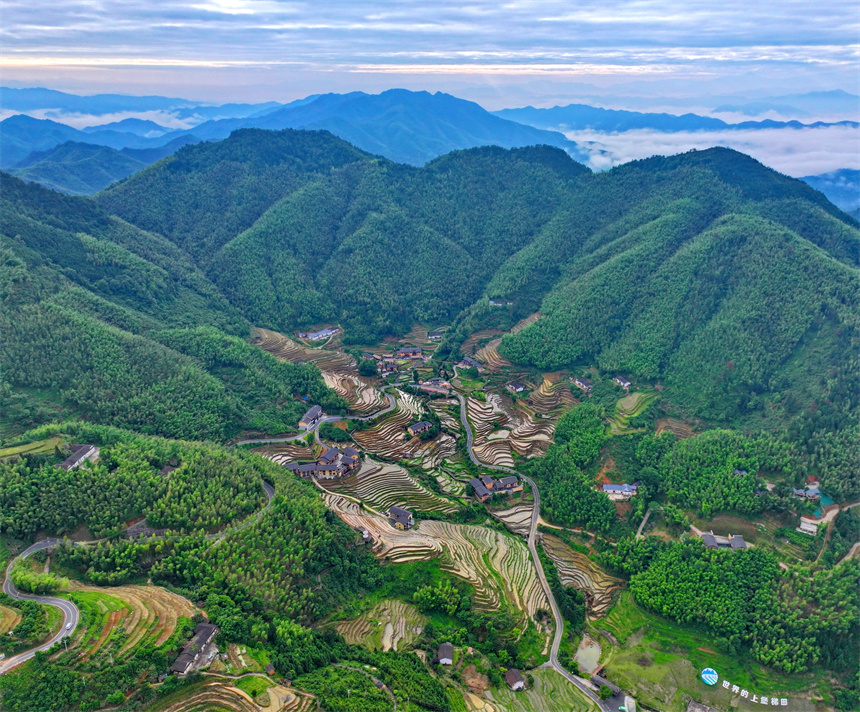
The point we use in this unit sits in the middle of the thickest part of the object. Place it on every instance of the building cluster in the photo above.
(732, 541)
(81, 453)
(435, 385)
(331, 465)
(469, 362)
(195, 649)
(485, 487)
(319, 335)
(809, 492)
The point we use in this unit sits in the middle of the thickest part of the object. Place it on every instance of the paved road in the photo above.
(611, 705)
(71, 615)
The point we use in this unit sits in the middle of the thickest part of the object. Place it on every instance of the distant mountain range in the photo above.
(841, 187)
(579, 117)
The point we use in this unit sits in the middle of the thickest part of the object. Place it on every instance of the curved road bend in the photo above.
(605, 706)
(71, 615)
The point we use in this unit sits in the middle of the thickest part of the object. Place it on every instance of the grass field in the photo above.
(661, 661)
(550, 693)
(41, 447)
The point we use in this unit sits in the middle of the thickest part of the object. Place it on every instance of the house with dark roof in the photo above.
(80, 454)
(583, 383)
(435, 335)
(623, 382)
(714, 541)
(410, 352)
(400, 518)
(509, 484)
(445, 654)
(489, 482)
(194, 648)
(482, 494)
(329, 456)
(515, 387)
(311, 418)
(270, 669)
(469, 362)
(421, 426)
(515, 679)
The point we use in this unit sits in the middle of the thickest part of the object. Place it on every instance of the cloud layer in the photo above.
(344, 43)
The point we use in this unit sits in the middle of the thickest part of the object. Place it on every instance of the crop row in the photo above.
(215, 696)
(284, 348)
(361, 396)
(551, 397)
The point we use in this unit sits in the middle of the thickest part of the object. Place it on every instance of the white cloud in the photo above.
(795, 152)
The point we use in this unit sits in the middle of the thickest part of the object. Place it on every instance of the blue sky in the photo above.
(498, 53)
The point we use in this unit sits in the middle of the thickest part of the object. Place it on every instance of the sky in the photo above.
(501, 54)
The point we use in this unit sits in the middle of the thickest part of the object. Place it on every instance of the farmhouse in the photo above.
(623, 382)
(435, 336)
(482, 494)
(499, 303)
(80, 454)
(584, 384)
(515, 387)
(270, 669)
(332, 464)
(203, 635)
(469, 362)
(311, 418)
(808, 527)
(319, 335)
(329, 456)
(620, 492)
(445, 654)
(489, 482)
(808, 493)
(420, 427)
(515, 679)
(712, 541)
(509, 484)
(409, 352)
(400, 518)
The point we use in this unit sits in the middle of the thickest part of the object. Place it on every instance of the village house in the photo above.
(412, 352)
(515, 387)
(319, 335)
(515, 679)
(329, 456)
(420, 427)
(509, 484)
(599, 682)
(332, 464)
(445, 654)
(488, 482)
(500, 303)
(469, 362)
(712, 541)
(311, 418)
(80, 454)
(620, 492)
(194, 648)
(435, 336)
(270, 669)
(400, 518)
(810, 492)
(623, 382)
(807, 527)
(482, 494)
(584, 384)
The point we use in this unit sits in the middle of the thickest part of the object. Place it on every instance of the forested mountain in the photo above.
(85, 168)
(841, 187)
(734, 286)
(404, 126)
(106, 321)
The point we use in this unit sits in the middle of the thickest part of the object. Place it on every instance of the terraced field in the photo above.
(288, 350)
(473, 344)
(9, 618)
(551, 693)
(39, 447)
(384, 485)
(134, 613)
(362, 397)
(629, 407)
(499, 430)
(216, 696)
(387, 436)
(552, 397)
(441, 407)
(497, 565)
(679, 428)
(390, 625)
(287, 452)
(576, 569)
(490, 357)
(517, 519)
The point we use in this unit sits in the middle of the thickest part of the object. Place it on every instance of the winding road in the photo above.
(611, 705)
(71, 614)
